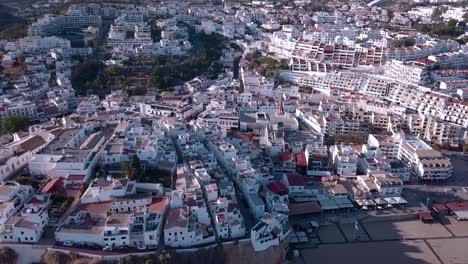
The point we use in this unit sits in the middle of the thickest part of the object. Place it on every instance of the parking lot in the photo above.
(460, 175)
(412, 229)
(406, 241)
(390, 252)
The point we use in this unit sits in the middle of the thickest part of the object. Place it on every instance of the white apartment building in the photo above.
(74, 151)
(342, 126)
(451, 60)
(22, 108)
(421, 51)
(313, 52)
(30, 223)
(16, 155)
(380, 185)
(229, 222)
(129, 141)
(412, 73)
(51, 25)
(129, 30)
(449, 75)
(457, 112)
(34, 43)
(426, 163)
(180, 230)
(89, 106)
(164, 47)
(344, 159)
(282, 44)
(388, 145)
(277, 197)
(112, 213)
(271, 230)
(12, 197)
(456, 13)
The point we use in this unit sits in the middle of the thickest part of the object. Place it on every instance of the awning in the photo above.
(380, 201)
(343, 202)
(328, 204)
(304, 208)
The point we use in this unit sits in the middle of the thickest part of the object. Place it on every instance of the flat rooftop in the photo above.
(59, 143)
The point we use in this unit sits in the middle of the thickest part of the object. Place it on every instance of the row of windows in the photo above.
(113, 238)
(26, 238)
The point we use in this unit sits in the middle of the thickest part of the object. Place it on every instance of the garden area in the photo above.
(161, 72)
(264, 65)
(59, 206)
(27, 181)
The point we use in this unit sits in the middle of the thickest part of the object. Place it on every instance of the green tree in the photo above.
(27, 181)
(463, 40)
(136, 165)
(86, 79)
(12, 124)
(8, 256)
(58, 197)
(127, 170)
(444, 30)
(404, 42)
(132, 169)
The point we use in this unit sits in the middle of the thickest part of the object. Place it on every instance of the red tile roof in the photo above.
(99, 207)
(457, 206)
(301, 160)
(439, 208)
(304, 208)
(34, 200)
(295, 180)
(53, 185)
(158, 205)
(426, 217)
(284, 156)
(22, 223)
(277, 188)
(33, 143)
(191, 202)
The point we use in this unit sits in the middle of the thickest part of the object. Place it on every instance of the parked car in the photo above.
(68, 243)
(142, 247)
(107, 248)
